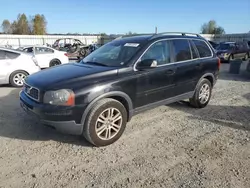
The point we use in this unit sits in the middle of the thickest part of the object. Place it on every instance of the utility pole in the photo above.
(155, 30)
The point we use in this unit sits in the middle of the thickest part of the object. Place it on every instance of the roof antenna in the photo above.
(155, 30)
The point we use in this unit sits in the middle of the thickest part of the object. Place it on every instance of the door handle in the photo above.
(170, 72)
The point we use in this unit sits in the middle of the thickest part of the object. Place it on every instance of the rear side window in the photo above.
(2, 54)
(43, 50)
(202, 48)
(11, 55)
(181, 50)
(8, 55)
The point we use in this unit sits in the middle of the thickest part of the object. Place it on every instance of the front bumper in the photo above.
(64, 119)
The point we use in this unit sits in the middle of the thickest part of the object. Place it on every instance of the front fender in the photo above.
(106, 95)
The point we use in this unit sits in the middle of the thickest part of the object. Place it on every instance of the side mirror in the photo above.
(147, 64)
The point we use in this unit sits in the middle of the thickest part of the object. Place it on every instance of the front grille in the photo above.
(31, 92)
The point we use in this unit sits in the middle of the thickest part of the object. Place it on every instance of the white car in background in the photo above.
(15, 66)
(46, 56)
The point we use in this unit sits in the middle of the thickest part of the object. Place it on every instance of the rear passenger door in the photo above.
(208, 63)
(188, 66)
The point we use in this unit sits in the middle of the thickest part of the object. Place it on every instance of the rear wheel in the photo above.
(83, 52)
(230, 58)
(17, 78)
(106, 122)
(55, 62)
(202, 94)
(246, 57)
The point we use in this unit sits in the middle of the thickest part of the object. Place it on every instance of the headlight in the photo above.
(224, 54)
(63, 97)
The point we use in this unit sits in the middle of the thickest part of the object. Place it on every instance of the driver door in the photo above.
(156, 84)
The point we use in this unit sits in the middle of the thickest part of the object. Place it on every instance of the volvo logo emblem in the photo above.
(28, 90)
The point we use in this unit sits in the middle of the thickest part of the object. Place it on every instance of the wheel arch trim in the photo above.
(106, 95)
(204, 76)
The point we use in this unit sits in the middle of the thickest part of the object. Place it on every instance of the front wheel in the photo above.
(17, 78)
(105, 123)
(202, 94)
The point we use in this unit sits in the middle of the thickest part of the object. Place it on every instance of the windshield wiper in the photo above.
(95, 63)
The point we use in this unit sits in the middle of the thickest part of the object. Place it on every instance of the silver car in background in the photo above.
(15, 66)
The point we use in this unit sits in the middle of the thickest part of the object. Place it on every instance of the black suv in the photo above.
(99, 95)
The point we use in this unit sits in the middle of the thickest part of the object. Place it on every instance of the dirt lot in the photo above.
(170, 146)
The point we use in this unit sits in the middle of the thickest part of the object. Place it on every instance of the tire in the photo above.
(230, 58)
(17, 78)
(98, 112)
(83, 52)
(246, 57)
(54, 62)
(196, 101)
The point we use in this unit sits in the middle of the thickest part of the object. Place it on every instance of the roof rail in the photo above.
(132, 35)
(172, 33)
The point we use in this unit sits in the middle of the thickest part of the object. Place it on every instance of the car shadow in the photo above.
(15, 123)
(236, 117)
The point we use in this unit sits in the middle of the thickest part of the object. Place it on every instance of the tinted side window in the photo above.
(181, 50)
(202, 48)
(42, 50)
(160, 51)
(30, 49)
(2, 54)
(11, 55)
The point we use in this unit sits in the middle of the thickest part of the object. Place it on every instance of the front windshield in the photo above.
(115, 53)
(225, 46)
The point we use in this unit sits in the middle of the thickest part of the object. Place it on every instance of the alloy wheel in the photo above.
(108, 123)
(204, 93)
(19, 79)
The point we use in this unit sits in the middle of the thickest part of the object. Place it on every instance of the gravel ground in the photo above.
(170, 146)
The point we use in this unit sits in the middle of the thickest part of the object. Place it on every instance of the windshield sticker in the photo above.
(132, 44)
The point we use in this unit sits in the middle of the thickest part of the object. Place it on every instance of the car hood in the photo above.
(67, 75)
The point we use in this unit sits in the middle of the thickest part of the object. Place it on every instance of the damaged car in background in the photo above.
(74, 47)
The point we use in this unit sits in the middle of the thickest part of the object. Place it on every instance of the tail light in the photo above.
(219, 63)
(35, 61)
(66, 54)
